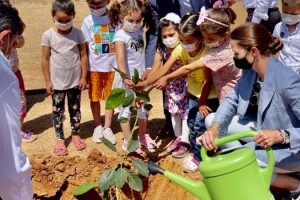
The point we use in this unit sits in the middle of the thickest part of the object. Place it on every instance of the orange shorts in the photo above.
(100, 84)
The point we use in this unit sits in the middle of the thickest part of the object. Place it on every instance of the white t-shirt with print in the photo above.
(99, 35)
(65, 65)
(134, 50)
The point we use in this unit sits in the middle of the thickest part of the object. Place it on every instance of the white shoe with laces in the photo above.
(108, 134)
(97, 134)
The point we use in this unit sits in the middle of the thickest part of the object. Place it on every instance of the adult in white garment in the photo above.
(15, 169)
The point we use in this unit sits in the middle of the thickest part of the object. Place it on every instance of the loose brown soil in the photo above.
(56, 177)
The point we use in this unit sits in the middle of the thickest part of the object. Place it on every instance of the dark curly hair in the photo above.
(126, 7)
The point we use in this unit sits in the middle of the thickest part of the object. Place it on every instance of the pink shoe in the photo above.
(147, 141)
(182, 150)
(125, 145)
(174, 145)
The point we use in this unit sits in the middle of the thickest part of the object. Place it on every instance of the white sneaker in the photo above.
(108, 134)
(98, 134)
(190, 167)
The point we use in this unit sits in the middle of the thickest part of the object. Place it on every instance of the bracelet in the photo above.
(285, 136)
(145, 83)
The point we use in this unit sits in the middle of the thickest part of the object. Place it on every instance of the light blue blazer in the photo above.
(279, 108)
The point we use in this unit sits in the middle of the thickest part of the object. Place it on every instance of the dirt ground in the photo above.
(56, 177)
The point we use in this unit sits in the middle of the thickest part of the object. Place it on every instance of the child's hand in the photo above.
(204, 110)
(145, 74)
(49, 87)
(140, 85)
(128, 83)
(82, 84)
(161, 83)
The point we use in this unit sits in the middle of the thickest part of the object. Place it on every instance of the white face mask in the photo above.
(171, 42)
(131, 27)
(98, 12)
(214, 44)
(189, 47)
(290, 19)
(63, 27)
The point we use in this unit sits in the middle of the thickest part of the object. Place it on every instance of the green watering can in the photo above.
(232, 174)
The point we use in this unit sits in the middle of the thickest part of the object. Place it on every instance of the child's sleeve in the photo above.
(85, 31)
(46, 39)
(119, 37)
(177, 53)
(81, 38)
(216, 60)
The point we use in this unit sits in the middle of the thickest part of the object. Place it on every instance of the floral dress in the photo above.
(176, 95)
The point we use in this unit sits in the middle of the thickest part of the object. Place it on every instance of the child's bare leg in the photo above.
(95, 107)
(108, 118)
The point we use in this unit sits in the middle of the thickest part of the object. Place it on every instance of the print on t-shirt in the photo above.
(103, 36)
(137, 44)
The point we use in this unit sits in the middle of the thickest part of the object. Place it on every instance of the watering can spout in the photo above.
(154, 168)
(197, 188)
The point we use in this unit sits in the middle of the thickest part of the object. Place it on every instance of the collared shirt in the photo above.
(290, 54)
(261, 8)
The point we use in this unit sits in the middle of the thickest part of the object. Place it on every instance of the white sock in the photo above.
(176, 123)
(185, 131)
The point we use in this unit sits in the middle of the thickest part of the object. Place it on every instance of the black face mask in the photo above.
(243, 63)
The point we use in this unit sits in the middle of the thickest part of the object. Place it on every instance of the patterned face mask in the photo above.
(63, 27)
(98, 12)
(131, 27)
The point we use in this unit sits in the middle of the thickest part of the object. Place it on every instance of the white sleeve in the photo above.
(15, 169)
(261, 11)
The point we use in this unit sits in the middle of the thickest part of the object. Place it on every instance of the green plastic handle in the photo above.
(267, 172)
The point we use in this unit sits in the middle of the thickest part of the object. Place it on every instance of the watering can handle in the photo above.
(266, 171)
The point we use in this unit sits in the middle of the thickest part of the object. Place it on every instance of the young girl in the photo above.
(175, 95)
(129, 47)
(27, 136)
(199, 82)
(214, 25)
(64, 63)
(102, 59)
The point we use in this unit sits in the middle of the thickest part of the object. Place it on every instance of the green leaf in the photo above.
(142, 96)
(148, 107)
(133, 144)
(128, 100)
(122, 74)
(136, 77)
(135, 182)
(133, 110)
(115, 98)
(108, 144)
(106, 180)
(123, 120)
(141, 167)
(84, 188)
(120, 177)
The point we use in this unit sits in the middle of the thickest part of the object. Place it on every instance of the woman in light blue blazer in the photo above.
(266, 99)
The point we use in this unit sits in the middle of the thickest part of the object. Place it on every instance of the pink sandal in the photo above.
(79, 145)
(60, 150)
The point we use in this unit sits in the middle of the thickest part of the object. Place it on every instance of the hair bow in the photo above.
(218, 4)
(172, 17)
(202, 16)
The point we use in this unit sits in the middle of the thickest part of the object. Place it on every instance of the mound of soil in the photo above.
(56, 177)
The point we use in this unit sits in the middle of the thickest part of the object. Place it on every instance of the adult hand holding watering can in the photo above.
(263, 138)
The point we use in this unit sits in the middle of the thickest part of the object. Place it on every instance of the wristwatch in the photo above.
(285, 135)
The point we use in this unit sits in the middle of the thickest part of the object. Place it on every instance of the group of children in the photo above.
(193, 64)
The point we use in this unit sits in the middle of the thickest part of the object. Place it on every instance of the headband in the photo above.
(172, 17)
(204, 15)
